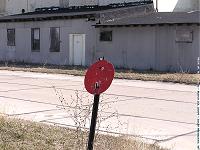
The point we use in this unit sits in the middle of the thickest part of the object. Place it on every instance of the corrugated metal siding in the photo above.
(147, 48)
(2, 7)
(14, 7)
(96, 2)
(106, 2)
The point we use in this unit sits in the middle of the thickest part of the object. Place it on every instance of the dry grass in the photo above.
(185, 78)
(24, 135)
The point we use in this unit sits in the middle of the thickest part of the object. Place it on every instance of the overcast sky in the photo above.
(166, 5)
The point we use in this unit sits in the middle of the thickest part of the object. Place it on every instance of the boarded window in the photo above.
(106, 36)
(184, 36)
(35, 39)
(54, 39)
(11, 37)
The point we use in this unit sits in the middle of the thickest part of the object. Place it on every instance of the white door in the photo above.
(77, 49)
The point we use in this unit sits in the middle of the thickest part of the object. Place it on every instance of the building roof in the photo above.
(43, 17)
(156, 18)
(53, 13)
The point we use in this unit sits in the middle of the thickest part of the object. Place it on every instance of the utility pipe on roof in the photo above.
(27, 3)
(156, 5)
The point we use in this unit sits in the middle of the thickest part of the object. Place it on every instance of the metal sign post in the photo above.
(198, 106)
(97, 80)
(93, 122)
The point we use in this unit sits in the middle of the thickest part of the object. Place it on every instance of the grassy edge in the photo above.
(22, 134)
(183, 78)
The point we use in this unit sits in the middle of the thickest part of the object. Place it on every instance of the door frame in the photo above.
(71, 48)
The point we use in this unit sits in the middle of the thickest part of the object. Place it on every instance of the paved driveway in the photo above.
(164, 112)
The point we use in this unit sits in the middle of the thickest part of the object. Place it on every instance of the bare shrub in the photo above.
(80, 109)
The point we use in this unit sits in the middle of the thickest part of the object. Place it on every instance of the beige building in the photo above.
(9, 7)
(164, 41)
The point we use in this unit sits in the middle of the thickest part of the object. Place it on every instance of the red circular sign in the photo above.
(99, 77)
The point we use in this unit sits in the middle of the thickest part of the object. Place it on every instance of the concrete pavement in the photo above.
(165, 112)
